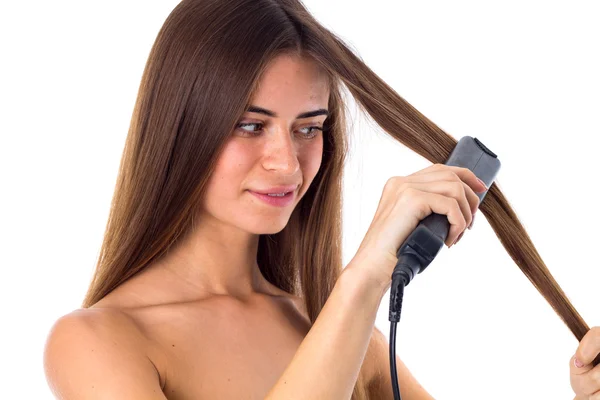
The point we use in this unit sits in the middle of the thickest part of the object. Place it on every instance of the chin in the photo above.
(274, 226)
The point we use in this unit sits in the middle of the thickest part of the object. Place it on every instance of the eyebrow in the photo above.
(270, 113)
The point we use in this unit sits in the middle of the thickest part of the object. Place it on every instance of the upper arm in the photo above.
(380, 386)
(94, 355)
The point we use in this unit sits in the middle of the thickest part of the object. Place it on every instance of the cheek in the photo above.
(237, 156)
(231, 169)
(311, 158)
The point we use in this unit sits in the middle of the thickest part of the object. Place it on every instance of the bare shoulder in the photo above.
(380, 382)
(98, 353)
(378, 347)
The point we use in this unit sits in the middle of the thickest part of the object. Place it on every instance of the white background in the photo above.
(521, 76)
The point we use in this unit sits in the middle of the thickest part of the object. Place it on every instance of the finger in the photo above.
(589, 346)
(454, 190)
(445, 175)
(449, 206)
(575, 370)
(470, 179)
(587, 383)
(465, 174)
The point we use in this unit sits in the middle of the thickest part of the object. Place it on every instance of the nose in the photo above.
(281, 152)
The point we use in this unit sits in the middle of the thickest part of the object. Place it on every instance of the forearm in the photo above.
(328, 361)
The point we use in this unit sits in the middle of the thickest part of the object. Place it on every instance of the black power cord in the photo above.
(406, 268)
(395, 386)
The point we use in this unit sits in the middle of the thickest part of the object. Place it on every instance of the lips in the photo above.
(276, 190)
(279, 201)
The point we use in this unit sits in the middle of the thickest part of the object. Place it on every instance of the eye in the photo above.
(310, 128)
(309, 135)
(245, 124)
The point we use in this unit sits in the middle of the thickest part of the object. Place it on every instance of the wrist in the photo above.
(369, 274)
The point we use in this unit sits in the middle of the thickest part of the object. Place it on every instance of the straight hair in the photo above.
(200, 75)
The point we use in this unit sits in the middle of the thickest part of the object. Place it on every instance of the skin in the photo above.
(189, 308)
(585, 377)
(203, 322)
(281, 152)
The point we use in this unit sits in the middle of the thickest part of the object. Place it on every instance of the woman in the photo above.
(207, 289)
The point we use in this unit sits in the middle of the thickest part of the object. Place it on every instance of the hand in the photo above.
(585, 380)
(440, 189)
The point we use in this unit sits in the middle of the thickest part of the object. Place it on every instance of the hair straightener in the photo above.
(424, 243)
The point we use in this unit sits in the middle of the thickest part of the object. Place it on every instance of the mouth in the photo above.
(277, 200)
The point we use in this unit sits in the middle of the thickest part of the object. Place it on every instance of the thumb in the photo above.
(577, 366)
(588, 352)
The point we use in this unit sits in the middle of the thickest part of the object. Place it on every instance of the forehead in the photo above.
(290, 81)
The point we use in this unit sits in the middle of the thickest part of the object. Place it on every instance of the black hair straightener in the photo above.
(424, 243)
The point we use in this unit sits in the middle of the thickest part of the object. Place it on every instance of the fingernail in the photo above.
(473, 220)
(578, 363)
(483, 183)
(458, 238)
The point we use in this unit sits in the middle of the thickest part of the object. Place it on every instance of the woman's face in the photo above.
(265, 151)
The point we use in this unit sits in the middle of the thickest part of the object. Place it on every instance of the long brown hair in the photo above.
(200, 75)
